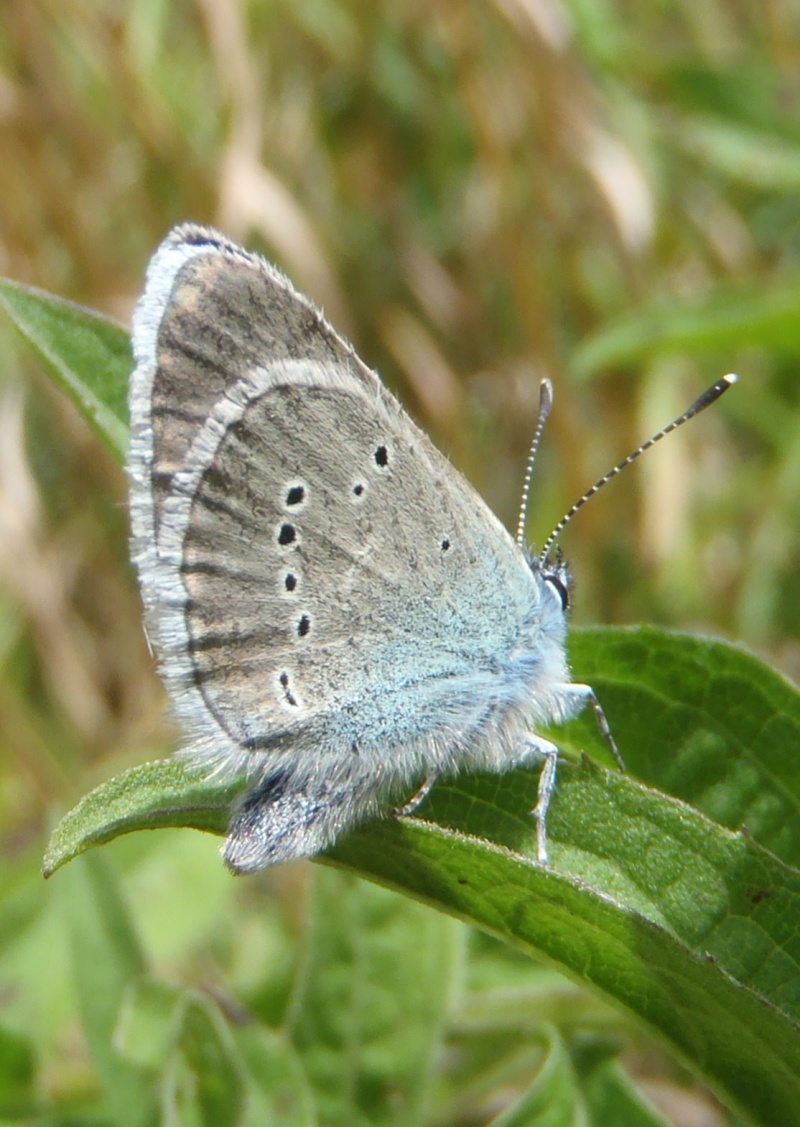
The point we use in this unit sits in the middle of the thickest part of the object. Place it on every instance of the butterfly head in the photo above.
(556, 575)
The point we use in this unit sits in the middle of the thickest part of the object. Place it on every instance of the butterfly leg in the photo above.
(418, 798)
(585, 694)
(538, 748)
(574, 698)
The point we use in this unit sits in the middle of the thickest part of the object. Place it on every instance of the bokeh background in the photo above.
(479, 193)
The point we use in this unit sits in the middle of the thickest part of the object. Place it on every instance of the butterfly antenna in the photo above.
(706, 399)
(545, 403)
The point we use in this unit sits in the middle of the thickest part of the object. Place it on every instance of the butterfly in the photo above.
(336, 612)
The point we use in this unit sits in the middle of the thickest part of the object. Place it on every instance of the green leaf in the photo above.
(554, 1098)
(278, 1090)
(145, 1030)
(374, 992)
(748, 155)
(703, 720)
(647, 901)
(212, 1070)
(156, 795)
(613, 1098)
(88, 355)
(727, 322)
(106, 960)
(687, 924)
(576, 1076)
(202, 1084)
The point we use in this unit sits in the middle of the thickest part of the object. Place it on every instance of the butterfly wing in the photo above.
(333, 606)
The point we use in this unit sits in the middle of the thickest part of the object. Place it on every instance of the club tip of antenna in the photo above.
(730, 379)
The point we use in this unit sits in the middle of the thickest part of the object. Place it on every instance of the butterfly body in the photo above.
(336, 612)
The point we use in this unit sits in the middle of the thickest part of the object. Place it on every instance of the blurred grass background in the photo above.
(480, 193)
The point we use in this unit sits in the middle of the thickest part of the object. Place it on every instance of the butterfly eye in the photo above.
(560, 588)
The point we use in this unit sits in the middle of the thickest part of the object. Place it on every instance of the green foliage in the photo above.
(690, 926)
(477, 194)
(660, 908)
(87, 355)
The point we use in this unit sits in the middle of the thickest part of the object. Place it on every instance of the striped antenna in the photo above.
(706, 399)
(545, 403)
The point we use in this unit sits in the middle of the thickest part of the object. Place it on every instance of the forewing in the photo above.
(210, 313)
(317, 573)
